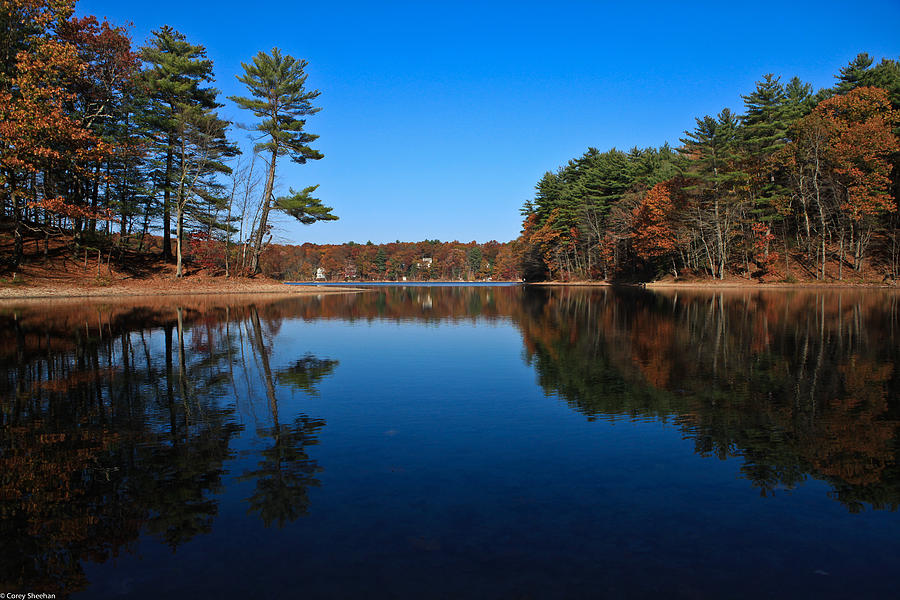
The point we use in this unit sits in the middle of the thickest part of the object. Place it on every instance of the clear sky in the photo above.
(439, 117)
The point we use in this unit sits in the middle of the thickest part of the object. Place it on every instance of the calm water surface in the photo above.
(453, 442)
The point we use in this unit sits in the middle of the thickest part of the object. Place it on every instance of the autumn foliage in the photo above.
(801, 184)
(861, 144)
(654, 230)
(396, 261)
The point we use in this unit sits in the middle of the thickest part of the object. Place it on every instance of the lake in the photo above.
(453, 442)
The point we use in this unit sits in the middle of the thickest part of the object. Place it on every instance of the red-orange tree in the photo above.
(860, 146)
(654, 227)
(41, 136)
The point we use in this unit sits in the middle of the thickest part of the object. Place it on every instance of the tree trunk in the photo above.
(18, 247)
(179, 224)
(95, 194)
(167, 196)
(821, 214)
(841, 260)
(180, 205)
(787, 264)
(264, 215)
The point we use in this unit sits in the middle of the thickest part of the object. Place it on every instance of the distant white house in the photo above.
(320, 274)
(424, 264)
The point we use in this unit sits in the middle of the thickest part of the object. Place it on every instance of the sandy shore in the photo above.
(168, 287)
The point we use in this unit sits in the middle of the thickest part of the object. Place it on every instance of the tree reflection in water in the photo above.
(796, 384)
(285, 471)
(108, 432)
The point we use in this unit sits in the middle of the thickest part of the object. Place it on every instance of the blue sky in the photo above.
(439, 117)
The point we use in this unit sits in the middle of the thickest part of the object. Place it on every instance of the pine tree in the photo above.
(798, 100)
(380, 260)
(176, 72)
(854, 74)
(603, 181)
(277, 85)
(712, 150)
(202, 147)
(764, 131)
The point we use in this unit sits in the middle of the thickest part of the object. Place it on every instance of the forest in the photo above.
(102, 143)
(801, 185)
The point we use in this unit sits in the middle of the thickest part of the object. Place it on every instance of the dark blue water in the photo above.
(490, 442)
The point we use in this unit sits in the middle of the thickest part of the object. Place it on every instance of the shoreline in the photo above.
(208, 287)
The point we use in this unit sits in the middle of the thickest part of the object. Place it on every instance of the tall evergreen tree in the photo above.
(381, 260)
(277, 86)
(764, 128)
(202, 147)
(763, 132)
(712, 150)
(175, 75)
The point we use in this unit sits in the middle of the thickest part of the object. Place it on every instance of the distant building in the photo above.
(320, 274)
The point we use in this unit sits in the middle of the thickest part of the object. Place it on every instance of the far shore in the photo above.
(394, 282)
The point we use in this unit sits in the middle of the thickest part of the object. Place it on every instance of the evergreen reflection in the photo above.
(306, 373)
(285, 471)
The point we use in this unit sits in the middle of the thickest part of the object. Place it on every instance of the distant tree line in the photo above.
(414, 261)
(107, 143)
(800, 183)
